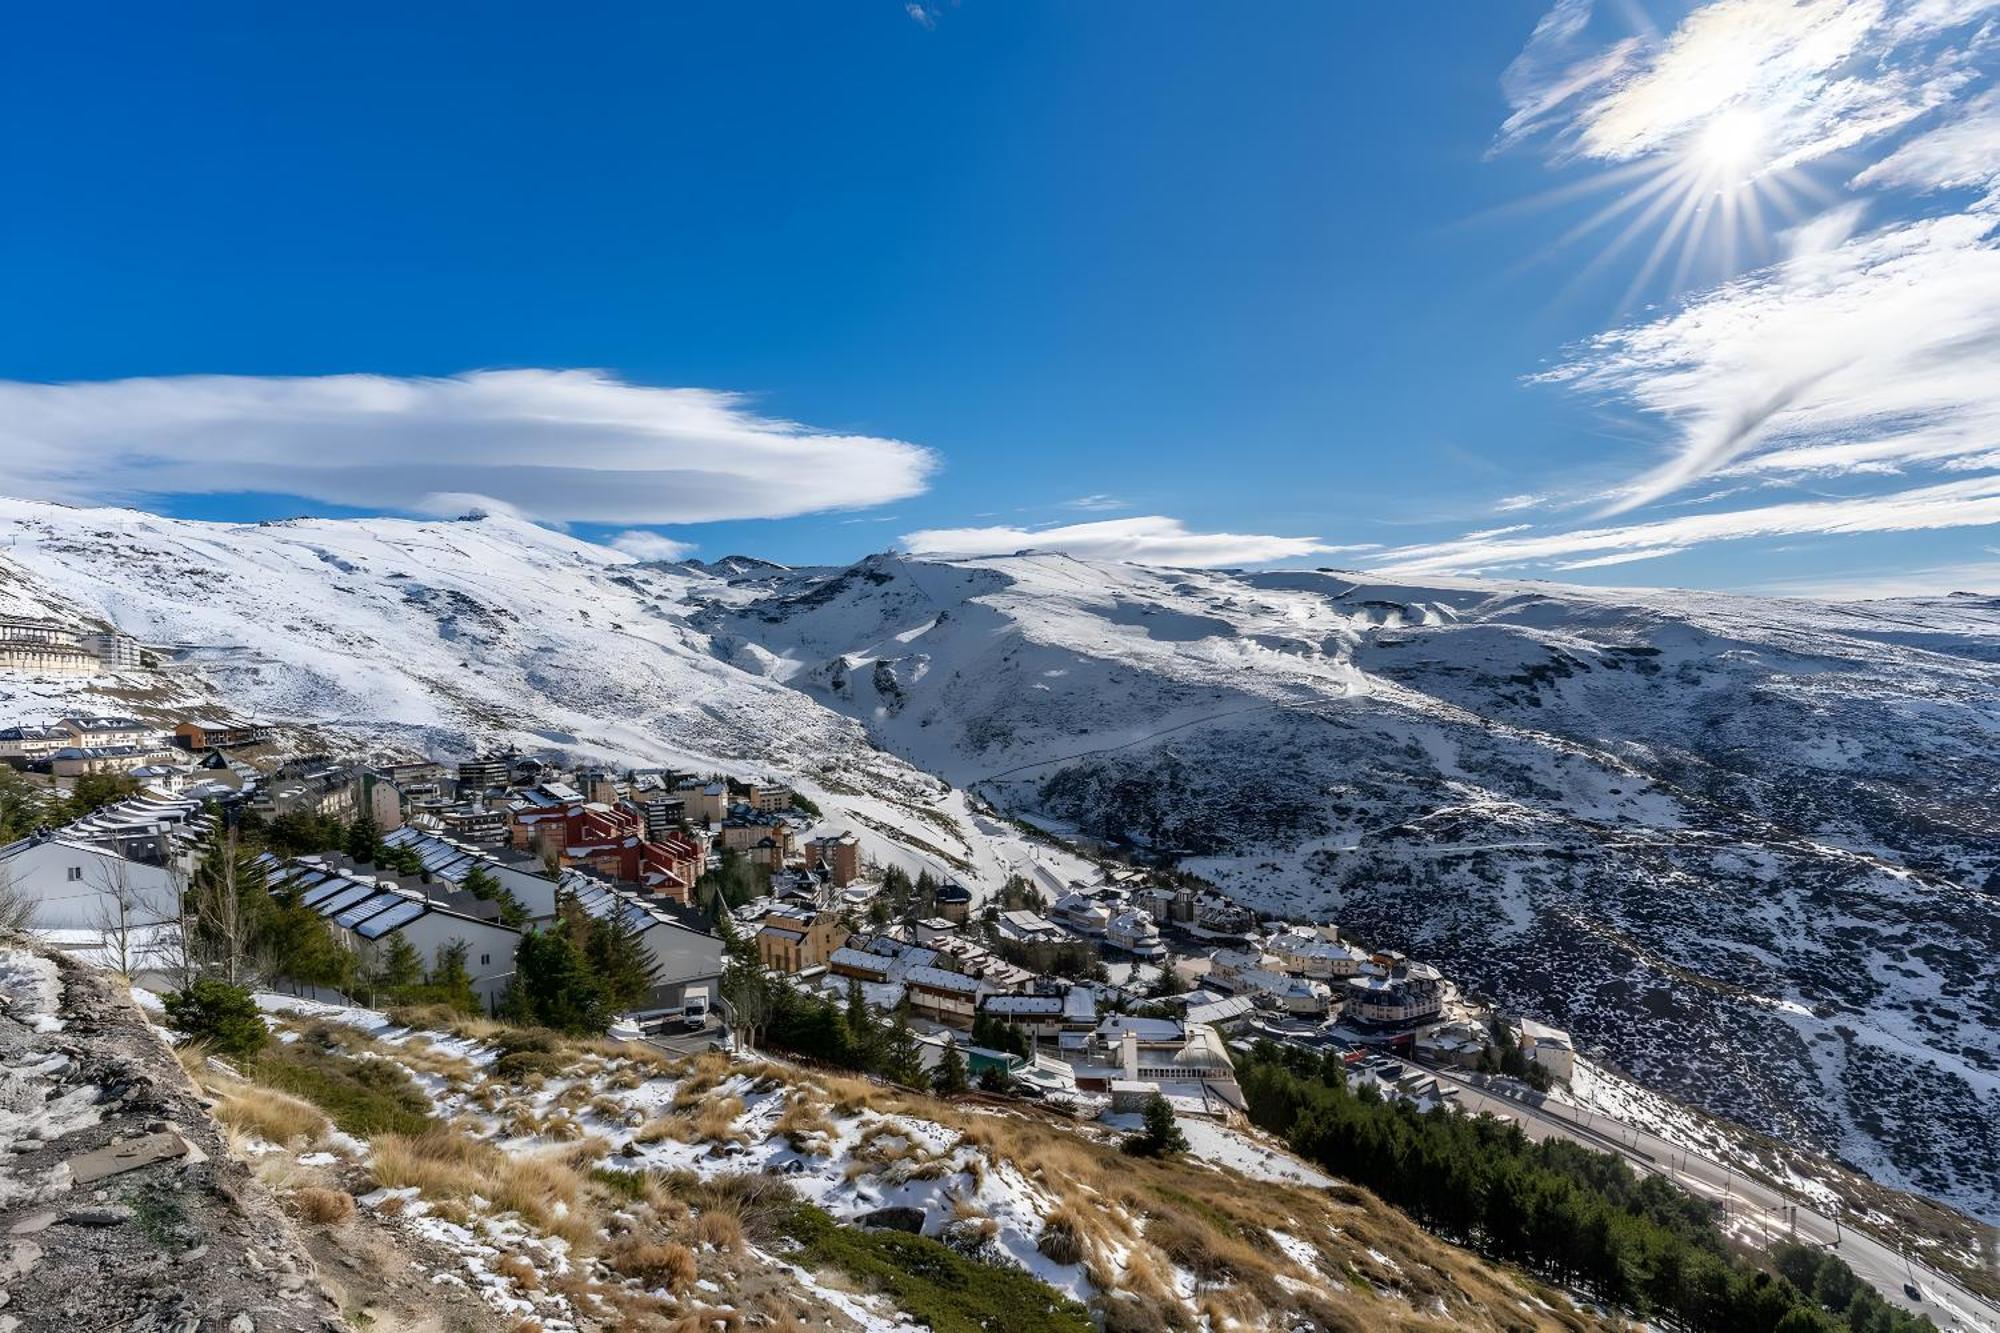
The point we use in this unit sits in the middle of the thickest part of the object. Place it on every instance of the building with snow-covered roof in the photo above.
(1134, 932)
(1400, 996)
(1316, 957)
(1082, 914)
(1549, 1047)
(26, 745)
(450, 860)
(1297, 996)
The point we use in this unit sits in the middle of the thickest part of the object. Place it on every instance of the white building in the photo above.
(1549, 1047)
(1082, 914)
(1133, 932)
(1316, 956)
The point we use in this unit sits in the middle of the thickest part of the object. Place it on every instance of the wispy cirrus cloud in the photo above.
(1818, 76)
(1969, 502)
(1148, 540)
(557, 445)
(1866, 344)
(1096, 504)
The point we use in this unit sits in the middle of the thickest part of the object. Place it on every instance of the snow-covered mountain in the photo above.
(444, 637)
(1748, 848)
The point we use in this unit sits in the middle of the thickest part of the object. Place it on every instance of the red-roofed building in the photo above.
(609, 841)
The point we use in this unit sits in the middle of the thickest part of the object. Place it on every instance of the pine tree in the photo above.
(625, 970)
(948, 1077)
(553, 986)
(902, 1058)
(229, 903)
(364, 840)
(1162, 1134)
(484, 885)
(450, 981)
(402, 967)
(864, 1034)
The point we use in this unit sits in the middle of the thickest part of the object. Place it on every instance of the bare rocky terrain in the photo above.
(120, 1204)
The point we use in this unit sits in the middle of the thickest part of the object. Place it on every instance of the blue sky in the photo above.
(1152, 281)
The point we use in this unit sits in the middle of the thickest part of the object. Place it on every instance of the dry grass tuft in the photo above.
(326, 1207)
(720, 1231)
(1062, 1235)
(523, 1274)
(655, 1263)
(545, 1188)
(273, 1116)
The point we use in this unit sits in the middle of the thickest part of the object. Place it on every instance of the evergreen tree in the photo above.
(902, 1057)
(364, 839)
(450, 981)
(484, 885)
(1162, 1133)
(220, 1014)
(402, 967)
(994, 1079)
(864, 1034)
(745, 987)
(625, 970)
(553, 986)
(948, 1077)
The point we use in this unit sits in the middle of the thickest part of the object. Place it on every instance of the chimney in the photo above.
(1129, 1048)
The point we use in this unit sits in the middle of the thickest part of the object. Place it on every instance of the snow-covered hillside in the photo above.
(1748, 848)
(443, 637)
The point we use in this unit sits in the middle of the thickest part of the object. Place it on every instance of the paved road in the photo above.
(1948, 1304)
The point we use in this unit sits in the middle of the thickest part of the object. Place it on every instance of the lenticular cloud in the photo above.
(559, 445)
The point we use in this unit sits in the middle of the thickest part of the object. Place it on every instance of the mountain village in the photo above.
(1104, 994)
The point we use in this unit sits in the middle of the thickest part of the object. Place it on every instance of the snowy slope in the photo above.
(1748, 848)
(442, 637)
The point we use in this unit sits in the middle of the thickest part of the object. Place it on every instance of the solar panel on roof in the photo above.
(347, 896)
(383, 922)
(324, 889)
(367, 907)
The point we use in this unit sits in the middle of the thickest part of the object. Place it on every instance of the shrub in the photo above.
(530, 1063)
(719, 1231)
(222, 1015)
(364, 1096)
(937, 1286)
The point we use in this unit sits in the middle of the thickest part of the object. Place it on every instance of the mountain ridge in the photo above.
(1746, 848)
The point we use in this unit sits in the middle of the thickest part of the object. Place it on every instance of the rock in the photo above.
(242, 1323)
(894, 1219)
(110, 1216)
(32, 1223)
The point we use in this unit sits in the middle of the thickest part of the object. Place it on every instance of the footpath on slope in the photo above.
(120, 1206)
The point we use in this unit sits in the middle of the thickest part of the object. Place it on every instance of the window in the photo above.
(76, 872)
(485, 958)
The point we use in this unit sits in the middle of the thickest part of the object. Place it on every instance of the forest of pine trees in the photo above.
(1572, 1215)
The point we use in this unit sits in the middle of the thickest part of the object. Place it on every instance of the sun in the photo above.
(1732, 147)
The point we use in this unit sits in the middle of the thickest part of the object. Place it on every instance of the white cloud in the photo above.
(1150, 540)
(922, 15)
(1095, 503)
(558, 445)
(1875, 351)
(1971, 502)
(1817, 76)
(1961, 152)
(644, 545)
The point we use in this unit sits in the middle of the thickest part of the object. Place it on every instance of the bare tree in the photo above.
(16, 908)
(225, 910)
(116, 917)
